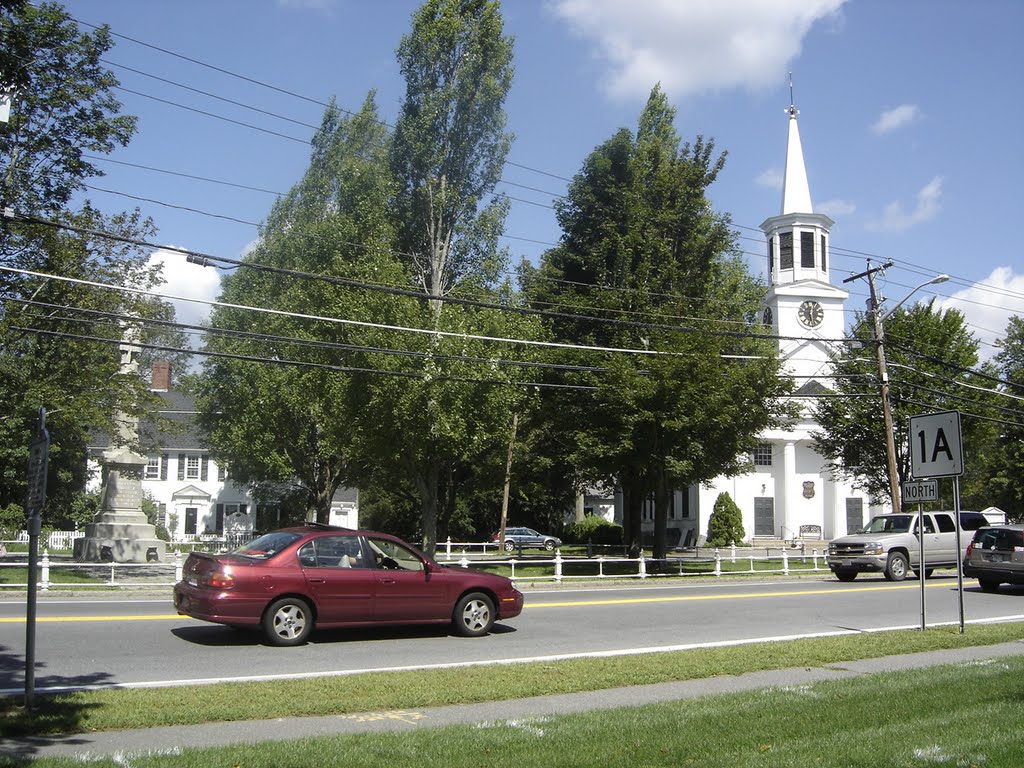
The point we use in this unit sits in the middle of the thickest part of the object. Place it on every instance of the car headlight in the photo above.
(874, 548)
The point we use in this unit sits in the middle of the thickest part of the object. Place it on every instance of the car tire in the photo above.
(927, 573)
(549, 545)
(288, 621)
(510, 546)
(473, 615)
(988, 585)
(896, 567)
(846, 575)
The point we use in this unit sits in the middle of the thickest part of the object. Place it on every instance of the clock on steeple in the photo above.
(810, 313)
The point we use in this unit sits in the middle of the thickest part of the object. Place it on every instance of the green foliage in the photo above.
(929, 355)
(643, 250)
(725, 525)
(594, 529)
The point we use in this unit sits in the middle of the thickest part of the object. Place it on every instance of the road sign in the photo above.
(935, 445)
(38, 463)
(920, 491)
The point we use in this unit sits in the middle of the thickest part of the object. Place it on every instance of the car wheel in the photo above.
(846, 575)
(510, 546)
(549, 545)
(987, 585)
(896, 568)
(474, 615)
(288, 621)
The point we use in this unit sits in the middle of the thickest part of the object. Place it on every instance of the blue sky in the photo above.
(910, 115)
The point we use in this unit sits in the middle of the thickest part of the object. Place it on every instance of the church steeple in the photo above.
(796, 192)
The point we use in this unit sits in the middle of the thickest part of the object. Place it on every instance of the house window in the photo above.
(763, 455)
(192, 466)
(153, 468)
(807, 250)
(786, 250)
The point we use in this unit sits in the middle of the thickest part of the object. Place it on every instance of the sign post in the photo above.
(35, 500)
(918, 492)
(936, 451)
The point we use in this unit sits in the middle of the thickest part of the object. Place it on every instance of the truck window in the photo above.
(889, 524)
(946, 524)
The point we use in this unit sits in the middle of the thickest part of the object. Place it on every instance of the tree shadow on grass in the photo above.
(59, 707)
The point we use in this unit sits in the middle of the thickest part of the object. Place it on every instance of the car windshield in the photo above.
(889, 524)
(267, 546)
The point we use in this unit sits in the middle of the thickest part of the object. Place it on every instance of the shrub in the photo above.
(725, 526)
(594, 529)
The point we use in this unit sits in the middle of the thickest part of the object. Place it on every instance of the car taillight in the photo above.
(219, 580)
(969, 548)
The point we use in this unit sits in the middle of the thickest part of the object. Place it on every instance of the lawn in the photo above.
(958, 715)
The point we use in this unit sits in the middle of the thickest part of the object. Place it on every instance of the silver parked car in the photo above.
(526, 538)
(996, 556)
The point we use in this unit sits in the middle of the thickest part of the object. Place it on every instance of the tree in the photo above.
(725, 525)
(1003, 458)
(59, 340)
(930, 357)
(449, 147)
(642, 258)
(299, 422)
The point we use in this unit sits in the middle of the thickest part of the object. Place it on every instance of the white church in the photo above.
(790, 495)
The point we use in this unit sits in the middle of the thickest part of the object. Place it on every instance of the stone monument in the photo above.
(120, 532)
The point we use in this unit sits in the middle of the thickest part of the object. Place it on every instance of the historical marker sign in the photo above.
(935, 448)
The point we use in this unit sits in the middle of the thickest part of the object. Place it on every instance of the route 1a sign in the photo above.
(935, 449)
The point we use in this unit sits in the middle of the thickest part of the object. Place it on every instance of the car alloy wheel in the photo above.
(288, 621)
(474, 615)
(896, 568)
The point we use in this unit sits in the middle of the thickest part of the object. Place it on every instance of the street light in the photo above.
(879, 318)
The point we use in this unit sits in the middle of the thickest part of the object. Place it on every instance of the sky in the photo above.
(910, 115)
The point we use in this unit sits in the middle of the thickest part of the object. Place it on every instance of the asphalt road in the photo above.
(119, 640)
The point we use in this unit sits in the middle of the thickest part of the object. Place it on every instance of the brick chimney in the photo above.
(161, 376)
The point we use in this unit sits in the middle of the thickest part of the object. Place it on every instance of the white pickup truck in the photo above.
(889, 545)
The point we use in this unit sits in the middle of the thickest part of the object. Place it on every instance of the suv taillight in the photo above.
(218, 580)
(970, 547)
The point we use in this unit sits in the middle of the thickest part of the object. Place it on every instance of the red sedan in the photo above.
(295, 579)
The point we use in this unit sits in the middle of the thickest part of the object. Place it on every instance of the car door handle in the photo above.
(387, 580)
(316, 581)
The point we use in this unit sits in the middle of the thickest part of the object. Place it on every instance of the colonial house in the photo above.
(194, 493)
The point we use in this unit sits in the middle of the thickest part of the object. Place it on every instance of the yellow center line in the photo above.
(726, 596)
(49, 619)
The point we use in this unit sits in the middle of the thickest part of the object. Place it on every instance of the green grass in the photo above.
(57, 576)
(142, 708)
(957, 715)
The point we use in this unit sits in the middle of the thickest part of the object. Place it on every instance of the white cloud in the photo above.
(190, 281)
(988, 306)
(771, 178)
(836, 208)
(896, 118)
(895, 219)
(690, 46)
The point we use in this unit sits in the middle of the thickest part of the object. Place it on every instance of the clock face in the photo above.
(767, 317)
(811, 314)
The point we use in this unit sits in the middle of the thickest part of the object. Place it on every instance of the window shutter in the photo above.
(163, 466)
(221, 473)
(181, 466)
(203, 469)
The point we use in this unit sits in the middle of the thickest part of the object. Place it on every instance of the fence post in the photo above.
(448, 549)
(643, 565)
(558, 566)
(464, 562)
(512, 562)
(785, 563)
(734, 551)
(44, 580)
(177, 566)
(814, 556)
(718, 563)
(113, 581)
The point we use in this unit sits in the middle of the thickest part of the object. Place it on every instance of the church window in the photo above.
(763, 455)
(807, 250)
(786, 250)
(771, 256)
(824, 262)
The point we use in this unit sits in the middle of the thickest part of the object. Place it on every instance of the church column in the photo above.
(790, 492)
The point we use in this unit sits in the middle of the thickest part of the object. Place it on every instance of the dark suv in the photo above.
(996, 556)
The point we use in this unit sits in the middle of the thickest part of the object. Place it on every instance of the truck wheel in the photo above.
(987, 585)
(896, 568)
(846, 575)
(927, 573)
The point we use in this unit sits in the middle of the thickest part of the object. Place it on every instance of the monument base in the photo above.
(117, 541)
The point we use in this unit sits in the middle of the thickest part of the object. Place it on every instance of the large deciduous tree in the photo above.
(930, 357)
(298, 422)
(449, 147)
(63, 108)
(644, 264)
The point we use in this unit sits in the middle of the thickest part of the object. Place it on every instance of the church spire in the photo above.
(796, 193)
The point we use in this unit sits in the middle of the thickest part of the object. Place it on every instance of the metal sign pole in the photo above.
(959, 552)
(38, 465)
(920, 558)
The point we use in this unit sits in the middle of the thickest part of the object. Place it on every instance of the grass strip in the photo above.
(956, 715)
(181, 705)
